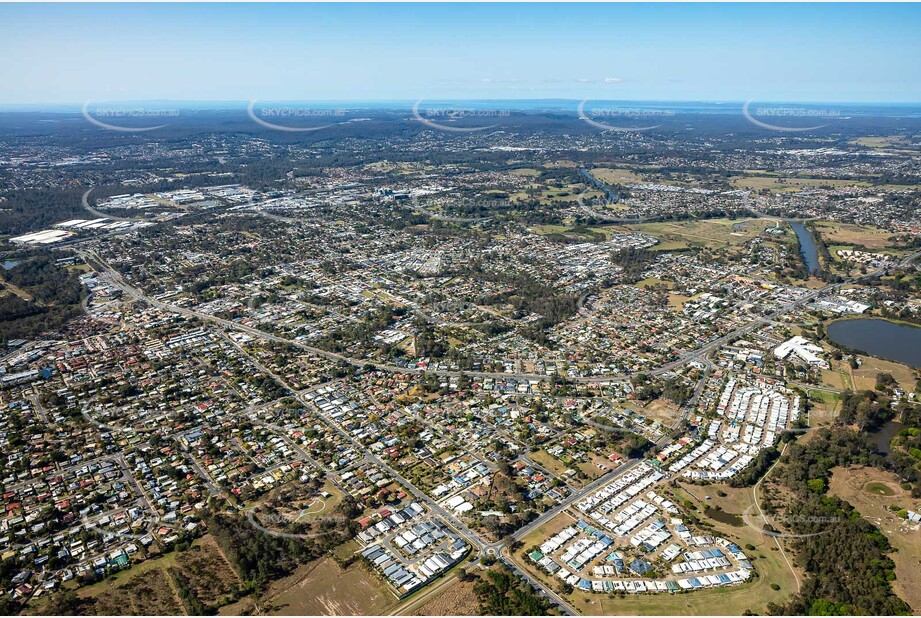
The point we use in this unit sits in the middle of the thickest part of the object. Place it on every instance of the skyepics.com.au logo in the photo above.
(128, 118)
(621, 118)
(790, 118)
(456, 118)
(294, 118)
(773, 525)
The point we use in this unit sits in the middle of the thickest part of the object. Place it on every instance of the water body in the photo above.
(884, 436)
(881, 338)
(806, 246)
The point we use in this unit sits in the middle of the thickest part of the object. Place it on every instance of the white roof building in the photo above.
(801, 348)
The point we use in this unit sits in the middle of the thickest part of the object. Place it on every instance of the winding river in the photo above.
(806, 246)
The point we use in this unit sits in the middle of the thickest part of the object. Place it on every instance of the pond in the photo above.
(806, 246)
(881, 338)
(884, 435)
(722, 516)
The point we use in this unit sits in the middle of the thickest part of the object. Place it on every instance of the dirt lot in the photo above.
(872, 491)
(322, 588)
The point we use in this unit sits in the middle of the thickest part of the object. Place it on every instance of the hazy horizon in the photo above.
(822, 53)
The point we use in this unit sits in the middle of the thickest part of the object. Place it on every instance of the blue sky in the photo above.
(69, 53)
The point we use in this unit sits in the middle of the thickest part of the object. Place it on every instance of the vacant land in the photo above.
(619, 176)
(547, 530)
(548, 461)
(872, 492)
(880, 142)
(662, 410)
(864, 377)
(150, 594)
(711, 233)
(653, 281)
(777, 184)
(456, 599)
(528, 172)
(847, 234)
(323, 588)
(211, 577)
(824, 406)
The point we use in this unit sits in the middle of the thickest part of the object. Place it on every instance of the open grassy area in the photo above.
(872, 491)
(777, 184)
(838, 376)
(322, 506)
(323, 588)
(712, 233)
(620, 176)
(547, 530)
(864, 378)
(835, 233)
(651, 281)
(824, 407)
(881, 141)
(528, 172)
(548, 461)
(457, 598)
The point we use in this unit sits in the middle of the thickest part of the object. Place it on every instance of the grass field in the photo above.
(834, 233)
(712, 233)
(322, 588)
(864, 378)
(322, 506)
(528, 172)
(548, 461)
(880, 142)
(777, 184)
(457, 599)
(824, 407)
(651, 281)
(620, 176)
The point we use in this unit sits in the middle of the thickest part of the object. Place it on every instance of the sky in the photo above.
(76, 53)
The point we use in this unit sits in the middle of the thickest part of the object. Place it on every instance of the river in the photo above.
(806, 246)
(611, 196)
(881, 338)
